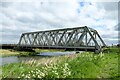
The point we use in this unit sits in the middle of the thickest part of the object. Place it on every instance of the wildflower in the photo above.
(42, 74)
(33, 75)
(31, 71)
(101, 54)
(66, 70)
(22, 75)
(39, 76)
(66, 64)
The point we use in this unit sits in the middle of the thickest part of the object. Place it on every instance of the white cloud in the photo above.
(60, 0)
(19, 17)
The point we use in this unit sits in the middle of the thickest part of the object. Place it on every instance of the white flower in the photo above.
(22, 75)
(39, 76)
(33, 75)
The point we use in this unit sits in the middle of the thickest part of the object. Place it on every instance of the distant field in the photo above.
(81, 65)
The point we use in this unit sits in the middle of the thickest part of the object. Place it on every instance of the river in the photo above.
(16, 59)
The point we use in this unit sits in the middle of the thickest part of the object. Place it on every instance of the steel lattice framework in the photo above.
(73, 38)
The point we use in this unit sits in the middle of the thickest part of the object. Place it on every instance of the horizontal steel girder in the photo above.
(69, 37)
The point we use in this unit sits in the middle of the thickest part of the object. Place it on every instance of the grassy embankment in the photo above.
(8, 52)
(81, 65)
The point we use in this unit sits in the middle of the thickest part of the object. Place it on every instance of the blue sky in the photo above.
(17, 17)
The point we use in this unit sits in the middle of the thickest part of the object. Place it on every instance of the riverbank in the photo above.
(11, 52)
(8, 52)
(81, 65)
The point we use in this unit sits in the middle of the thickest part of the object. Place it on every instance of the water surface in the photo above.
(16, 59)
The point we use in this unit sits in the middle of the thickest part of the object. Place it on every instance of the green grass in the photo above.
(82, 65)
(96, 66)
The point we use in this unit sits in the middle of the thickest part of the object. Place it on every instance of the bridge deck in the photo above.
(82, 48)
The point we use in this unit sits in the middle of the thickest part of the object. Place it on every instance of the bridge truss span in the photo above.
(82, 38)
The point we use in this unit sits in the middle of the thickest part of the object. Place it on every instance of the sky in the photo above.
(20, 16)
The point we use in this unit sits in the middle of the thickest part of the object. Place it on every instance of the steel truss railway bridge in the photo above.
(79, 38)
